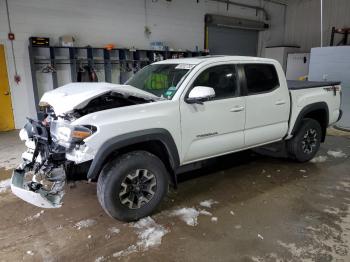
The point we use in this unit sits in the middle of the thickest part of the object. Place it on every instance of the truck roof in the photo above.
(213, 58)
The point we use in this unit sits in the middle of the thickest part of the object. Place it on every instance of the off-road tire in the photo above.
(114, 173)
(296, 146)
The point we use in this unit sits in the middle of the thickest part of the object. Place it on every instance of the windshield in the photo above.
(159, 79)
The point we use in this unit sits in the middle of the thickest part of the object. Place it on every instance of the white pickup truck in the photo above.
(134, 139)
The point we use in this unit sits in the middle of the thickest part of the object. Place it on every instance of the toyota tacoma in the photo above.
(134, 139)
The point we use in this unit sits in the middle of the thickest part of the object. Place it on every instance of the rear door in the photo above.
(267, 104)
(216, 126)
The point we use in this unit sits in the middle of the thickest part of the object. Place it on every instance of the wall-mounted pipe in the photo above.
(257, 8)
(11, 41)
(322, 23)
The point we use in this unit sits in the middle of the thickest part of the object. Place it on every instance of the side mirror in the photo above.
(199, 94)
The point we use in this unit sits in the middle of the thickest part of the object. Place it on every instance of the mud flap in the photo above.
(40, 198)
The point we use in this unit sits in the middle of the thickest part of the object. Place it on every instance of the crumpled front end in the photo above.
(58, 147)
(45, 193)
(40, 178)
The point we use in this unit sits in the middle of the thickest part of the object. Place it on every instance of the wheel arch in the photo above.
(318, 111)
(157, 141)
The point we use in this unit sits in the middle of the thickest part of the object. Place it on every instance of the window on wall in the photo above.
(260, 78)
(222, 78)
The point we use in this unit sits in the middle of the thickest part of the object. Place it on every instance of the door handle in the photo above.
(237, 109)
(280, 102)
(6, 93)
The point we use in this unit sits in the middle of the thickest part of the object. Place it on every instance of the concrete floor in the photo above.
(11, 149)
(267, 210)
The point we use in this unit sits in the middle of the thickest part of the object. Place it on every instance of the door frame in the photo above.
(11, 111)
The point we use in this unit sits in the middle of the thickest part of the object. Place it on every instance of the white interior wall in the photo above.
(179, 23)
(303, 21)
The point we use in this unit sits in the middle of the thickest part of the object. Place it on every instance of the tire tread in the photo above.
(108, 171)
(292, 145)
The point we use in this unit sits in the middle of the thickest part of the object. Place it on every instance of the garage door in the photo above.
(232, 41)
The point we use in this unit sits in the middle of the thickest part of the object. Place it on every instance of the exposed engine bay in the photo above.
(55, 149)
(108, 101)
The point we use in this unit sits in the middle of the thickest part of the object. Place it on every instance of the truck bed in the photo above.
(296, 85)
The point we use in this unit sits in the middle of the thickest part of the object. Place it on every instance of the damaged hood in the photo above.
(77, 95)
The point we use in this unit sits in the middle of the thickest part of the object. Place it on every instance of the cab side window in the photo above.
(223, 79)
(261, 78)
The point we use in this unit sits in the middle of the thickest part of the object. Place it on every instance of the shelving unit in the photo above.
(113, 66)
(344, 32)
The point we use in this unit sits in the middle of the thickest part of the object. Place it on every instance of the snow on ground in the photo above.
(100, 259)
(214, 219)
(205, 212)
(149, 235)
(123, 253)
(113, 230)
(292, 248)
(332, 210)
(336, 154)
(33, 217)
(189, 215)
(208, 203)
(319, 159)
(29, 252)
(4, 185)
(85, 223)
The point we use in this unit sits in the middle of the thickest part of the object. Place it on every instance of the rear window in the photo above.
(261, 78)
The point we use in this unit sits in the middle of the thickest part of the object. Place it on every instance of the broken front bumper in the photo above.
(36, 193)
(41, 177)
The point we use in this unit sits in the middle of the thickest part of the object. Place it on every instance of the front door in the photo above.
(6, 114)
(217, 126)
